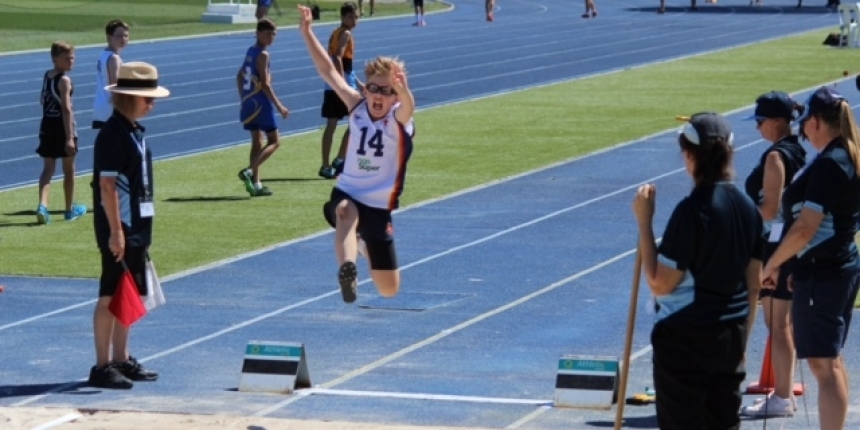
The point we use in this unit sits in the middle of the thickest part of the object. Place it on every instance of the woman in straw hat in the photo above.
(123, 211)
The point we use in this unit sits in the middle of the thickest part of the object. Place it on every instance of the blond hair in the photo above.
(383, 66)
(61, 47)
(124, 103)
(850, 132)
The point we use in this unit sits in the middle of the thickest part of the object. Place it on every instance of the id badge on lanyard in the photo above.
(147, 208)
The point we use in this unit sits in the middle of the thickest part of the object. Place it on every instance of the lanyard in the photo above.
(141, 147)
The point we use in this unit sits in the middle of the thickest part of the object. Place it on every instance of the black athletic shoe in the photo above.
(109, 377)
(135, 371)
(346, 276)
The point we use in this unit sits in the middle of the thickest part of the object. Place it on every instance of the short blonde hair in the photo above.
(125, 103)
(383, 66)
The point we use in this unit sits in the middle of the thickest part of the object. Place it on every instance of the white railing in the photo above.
(235, 2)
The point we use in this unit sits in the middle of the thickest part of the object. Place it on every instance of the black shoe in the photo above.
(338, 166)
(109, 377)
(346, 276)
(135, 371)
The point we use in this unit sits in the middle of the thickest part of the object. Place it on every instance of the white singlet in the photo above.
(102, 107)
(375, 165)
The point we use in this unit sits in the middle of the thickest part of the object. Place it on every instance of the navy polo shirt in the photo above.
(828, 185)
(711, 236)
(117, 153)
(793, 158)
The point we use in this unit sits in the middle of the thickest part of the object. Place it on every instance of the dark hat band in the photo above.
(137, 83)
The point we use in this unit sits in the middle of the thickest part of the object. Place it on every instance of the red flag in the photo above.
(126, 304)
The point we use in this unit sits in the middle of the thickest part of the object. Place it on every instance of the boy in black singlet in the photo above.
(58, 137)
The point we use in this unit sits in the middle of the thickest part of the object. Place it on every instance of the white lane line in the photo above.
(530, 416)
(59, 421)
(422, 396)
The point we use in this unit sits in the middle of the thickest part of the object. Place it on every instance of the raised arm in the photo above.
(323, 63)
(404, 112)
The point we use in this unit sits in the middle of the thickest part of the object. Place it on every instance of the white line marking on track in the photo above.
(422, 396)
(59, 421)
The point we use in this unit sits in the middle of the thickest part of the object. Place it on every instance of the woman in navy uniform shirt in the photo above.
(705, 276)
(822, 206)
(778, 164)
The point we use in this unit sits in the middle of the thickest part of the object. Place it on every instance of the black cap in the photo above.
(707, 125)
(823, 100)
(775, 104)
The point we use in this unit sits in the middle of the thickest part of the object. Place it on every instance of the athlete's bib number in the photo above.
(247, 84)
(375, 142)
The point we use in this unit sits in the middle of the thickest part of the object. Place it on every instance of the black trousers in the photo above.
(698, 371)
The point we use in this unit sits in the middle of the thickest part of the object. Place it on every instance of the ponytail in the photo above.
(849, 131)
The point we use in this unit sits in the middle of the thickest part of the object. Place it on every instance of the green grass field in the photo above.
(459, 146)
(30, 24)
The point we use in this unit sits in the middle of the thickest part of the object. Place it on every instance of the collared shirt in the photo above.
(120, 152)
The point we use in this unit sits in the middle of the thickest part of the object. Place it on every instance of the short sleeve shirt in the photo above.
(828, 185)
(119, 151)
(711, 236)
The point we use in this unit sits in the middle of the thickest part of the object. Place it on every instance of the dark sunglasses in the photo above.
(149, 100)
(376, 89)
(759, 121)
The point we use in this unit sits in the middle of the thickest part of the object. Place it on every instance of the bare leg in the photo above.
(832, 391)
(344, 145)
(120, 343)
(327, 138)
(387, 282)
(69, 181)
(48, 168)
(103, 324)
(345, 240)
(256, 149)
(264, 154)
(777, 315)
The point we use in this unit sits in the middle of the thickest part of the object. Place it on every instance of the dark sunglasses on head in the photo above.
(376, 89)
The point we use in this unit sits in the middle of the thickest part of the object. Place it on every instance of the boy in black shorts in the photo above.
(58, 137)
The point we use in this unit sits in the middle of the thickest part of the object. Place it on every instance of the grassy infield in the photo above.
(199, 195)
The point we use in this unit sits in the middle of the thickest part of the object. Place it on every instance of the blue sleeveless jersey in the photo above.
(257, 112)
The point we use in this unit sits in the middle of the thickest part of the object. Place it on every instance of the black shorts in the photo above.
(333, 107)
(374, 227)
(135, 259)
(821, 313)
(418, 3)
(52, 144)
(781, 291)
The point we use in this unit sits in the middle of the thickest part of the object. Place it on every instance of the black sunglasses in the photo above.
(759, 121)
(377, 89)
(149, 100)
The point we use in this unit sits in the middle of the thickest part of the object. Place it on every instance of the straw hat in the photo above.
(138, 79)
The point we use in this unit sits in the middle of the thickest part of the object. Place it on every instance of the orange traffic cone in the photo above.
(766, 380)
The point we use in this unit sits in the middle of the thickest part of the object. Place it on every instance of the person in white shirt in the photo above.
(379, 147)
(107, 70)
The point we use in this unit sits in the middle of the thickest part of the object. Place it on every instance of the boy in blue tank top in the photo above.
(258, 101)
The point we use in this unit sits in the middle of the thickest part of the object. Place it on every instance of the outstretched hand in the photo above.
(305, 18)
(398, 80)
